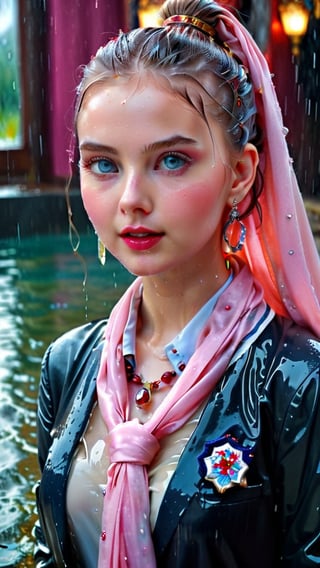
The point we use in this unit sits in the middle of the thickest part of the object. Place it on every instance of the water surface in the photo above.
(41, 296)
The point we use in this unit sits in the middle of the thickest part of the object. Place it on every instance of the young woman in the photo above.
(185, 430)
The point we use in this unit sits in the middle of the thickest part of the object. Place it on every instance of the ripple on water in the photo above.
(10, 555)
(12, 488)
(41, 296)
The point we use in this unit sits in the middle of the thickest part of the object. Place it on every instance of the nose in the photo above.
(135, 195)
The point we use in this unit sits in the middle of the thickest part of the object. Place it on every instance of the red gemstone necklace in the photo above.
(144, 395)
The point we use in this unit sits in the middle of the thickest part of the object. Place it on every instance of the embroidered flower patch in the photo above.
(224, 462)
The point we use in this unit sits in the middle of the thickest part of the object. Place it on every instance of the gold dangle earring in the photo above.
(234, 231)
(101, 252)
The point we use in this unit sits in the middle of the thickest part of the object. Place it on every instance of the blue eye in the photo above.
(173, 162)
(103, 166)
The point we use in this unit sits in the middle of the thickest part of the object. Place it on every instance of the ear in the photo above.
(244, 173)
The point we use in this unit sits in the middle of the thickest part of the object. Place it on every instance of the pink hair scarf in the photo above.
(126, 537)
(280, 251)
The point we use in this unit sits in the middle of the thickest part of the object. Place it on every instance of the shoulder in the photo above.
(288, 343)
(291, 373)
(283, 365)
(284, 356)
(75, 345)
(65, 365)
(78, 338)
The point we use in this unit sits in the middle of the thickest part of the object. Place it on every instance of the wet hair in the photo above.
(186, 56)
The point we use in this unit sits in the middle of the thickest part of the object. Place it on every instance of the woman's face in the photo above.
(154, 180)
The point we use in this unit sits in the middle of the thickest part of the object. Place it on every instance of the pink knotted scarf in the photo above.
(126, 539)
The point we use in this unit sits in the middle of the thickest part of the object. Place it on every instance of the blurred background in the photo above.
(43, 44)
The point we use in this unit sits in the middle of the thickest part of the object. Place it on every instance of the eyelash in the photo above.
(185, 159)
(87, 164)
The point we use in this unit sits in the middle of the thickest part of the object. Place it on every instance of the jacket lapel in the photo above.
(66, 439)
(221, 417)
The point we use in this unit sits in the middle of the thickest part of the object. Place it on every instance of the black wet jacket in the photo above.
(268, 400)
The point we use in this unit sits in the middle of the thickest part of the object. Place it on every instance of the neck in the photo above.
(171, 301)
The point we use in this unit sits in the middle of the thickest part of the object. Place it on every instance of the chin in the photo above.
(142, 272)
(138, 269)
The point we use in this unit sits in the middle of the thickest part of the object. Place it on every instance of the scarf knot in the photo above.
(130, 442)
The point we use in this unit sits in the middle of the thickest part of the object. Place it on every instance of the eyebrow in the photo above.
(172, 141)
(94, 147)
(154, 146)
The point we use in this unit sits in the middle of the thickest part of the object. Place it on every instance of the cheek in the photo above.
(87, 199)
(198, 202)
(93, 203)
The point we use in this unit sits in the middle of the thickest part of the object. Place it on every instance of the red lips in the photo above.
(140, 238)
